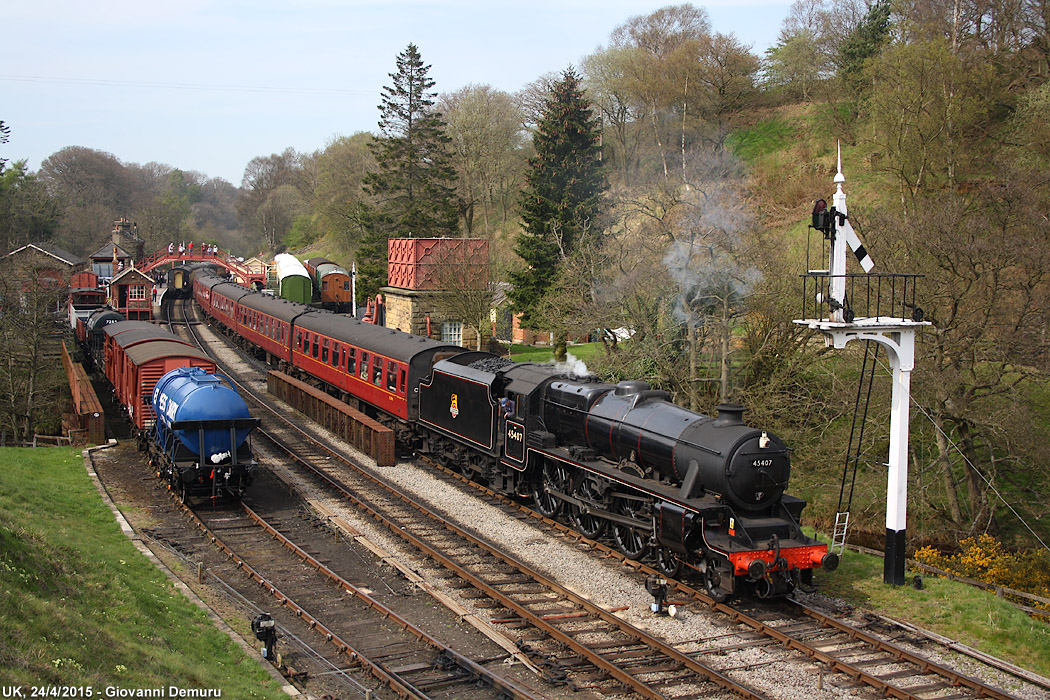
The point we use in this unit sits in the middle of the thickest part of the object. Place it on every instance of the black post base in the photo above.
(893, 566)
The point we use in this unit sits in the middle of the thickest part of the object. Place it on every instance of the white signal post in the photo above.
(897, 335)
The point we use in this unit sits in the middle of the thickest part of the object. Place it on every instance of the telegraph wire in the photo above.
(106, 82)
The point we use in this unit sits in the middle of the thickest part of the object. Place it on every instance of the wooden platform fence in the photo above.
(366, 434)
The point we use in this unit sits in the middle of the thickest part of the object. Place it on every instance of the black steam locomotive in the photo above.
(686, 489)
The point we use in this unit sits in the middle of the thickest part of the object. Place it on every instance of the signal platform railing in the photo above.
(869, 298)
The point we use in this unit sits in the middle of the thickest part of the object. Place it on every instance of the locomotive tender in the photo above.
(664, 483)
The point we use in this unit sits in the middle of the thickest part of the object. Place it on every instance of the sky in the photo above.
(207, 85)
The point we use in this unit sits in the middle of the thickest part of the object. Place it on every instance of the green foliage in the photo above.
(83, 607)
(864, 42)
(28, 213)
(764, 137)
(563, 187)
(530, 353)
(304, 231)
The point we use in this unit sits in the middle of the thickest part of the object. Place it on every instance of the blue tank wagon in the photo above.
(200, 439)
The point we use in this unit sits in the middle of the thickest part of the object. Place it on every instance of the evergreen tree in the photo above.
(865, 41)
(559, 204)
(414, 184)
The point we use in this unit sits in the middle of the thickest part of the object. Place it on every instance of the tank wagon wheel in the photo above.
(668, 563)
(590, 526)
(554, 477)
(632, 543)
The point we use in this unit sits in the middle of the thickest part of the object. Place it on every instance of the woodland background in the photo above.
(712, 157)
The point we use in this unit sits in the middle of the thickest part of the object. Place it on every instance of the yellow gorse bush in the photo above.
(985, 559)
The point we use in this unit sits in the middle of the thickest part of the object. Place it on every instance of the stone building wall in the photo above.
(407, 310)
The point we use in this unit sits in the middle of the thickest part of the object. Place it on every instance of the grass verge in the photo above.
(82, 607)
(970, 615)
(540, 353)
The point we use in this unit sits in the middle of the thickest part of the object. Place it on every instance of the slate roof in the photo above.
(54, 251)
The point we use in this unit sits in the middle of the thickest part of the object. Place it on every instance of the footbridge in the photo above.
(235, 266)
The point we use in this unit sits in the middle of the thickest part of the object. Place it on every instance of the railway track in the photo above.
(365, 631)
(593, 649)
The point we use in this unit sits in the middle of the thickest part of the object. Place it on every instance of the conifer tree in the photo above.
(559, 204)
(414, 184)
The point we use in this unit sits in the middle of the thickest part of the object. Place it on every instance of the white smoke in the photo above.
(573, 366)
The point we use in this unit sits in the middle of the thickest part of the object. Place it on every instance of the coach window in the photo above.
(391, 376)
(299, 341)
(346, 286)
(316, 344)
(364, 366)
(335, 354)
(324, 351)
(377, 371)
(351, 361)
(324, 286)
(403, 380)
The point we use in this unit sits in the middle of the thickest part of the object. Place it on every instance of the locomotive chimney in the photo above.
(730, 414)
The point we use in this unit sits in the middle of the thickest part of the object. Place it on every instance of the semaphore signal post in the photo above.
(874, 307)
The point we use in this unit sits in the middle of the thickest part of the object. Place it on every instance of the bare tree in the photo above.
(463, 289)
(30, 378)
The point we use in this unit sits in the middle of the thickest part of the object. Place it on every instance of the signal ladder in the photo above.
(853, 451)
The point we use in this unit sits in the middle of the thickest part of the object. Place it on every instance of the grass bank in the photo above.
(970, 615)
(82, 607)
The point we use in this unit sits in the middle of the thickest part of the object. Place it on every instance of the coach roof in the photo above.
(385, 341)
(273, 306)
